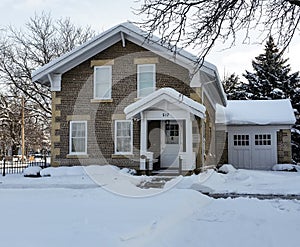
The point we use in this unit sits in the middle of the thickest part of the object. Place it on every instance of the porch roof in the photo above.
(165, 94)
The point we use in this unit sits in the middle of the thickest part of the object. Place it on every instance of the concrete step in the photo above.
(156, 182)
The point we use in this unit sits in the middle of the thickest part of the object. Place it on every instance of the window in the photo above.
(241, 140)
(102, 82)
(78, 137)
(145, 79)
(123, 137)
(264, 139)
(172, 133)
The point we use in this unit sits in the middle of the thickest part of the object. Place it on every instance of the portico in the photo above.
(166, 129)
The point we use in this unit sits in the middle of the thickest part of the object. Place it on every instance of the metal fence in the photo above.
(17, 166)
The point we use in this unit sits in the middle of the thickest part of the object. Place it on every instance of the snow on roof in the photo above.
(168, 94)
(130, 32)
(88, 47)
(256, 112)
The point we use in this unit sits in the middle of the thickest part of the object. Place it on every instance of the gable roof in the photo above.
(122, 32)
(165, 94)
(256, 112)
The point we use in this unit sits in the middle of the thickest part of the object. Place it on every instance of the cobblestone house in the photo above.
(87, 123)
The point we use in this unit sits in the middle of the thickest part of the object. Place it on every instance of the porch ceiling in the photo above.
(165, 94)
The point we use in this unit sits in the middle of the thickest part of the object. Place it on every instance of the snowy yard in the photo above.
(105, 208)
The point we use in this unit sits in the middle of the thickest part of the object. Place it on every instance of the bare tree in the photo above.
(10, 123)
(24, 50)
(36, 128)
(199, 23)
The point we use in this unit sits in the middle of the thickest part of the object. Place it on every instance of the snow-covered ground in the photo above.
(242, 182)
(103, 207)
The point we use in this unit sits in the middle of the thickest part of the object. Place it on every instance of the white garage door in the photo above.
(252, 149)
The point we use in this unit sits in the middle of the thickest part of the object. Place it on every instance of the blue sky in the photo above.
(103, 14)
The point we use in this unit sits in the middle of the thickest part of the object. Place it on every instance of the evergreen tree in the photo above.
(234, 88)
(272, 79)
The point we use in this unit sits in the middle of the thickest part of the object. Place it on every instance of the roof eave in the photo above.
(109, 37)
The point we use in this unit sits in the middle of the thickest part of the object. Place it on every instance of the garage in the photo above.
(258, 132)
(250, 147)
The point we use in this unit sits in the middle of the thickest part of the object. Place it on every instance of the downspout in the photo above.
(202, 131)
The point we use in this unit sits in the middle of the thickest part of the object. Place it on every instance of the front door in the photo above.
(171, 143)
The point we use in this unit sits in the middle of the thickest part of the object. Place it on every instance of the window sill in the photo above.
(122, 156)
(77, 156)
(102, 100)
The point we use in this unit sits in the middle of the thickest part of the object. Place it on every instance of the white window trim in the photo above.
(70, 138)
(110, 81)
(259, 140)
(246, 140)
(131, 137)
(138, 76)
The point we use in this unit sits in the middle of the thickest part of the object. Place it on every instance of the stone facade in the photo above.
(284, 149)
(55, 137)
(210, 142)
(221, 147)
(75, 102)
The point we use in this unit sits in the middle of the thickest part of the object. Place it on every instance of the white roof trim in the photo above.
(167, 94)
(110, 37)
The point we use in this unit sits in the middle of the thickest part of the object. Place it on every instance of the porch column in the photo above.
(189, 136)
(143, 141)
(189, 140)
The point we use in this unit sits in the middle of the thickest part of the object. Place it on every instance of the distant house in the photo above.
(122, 100)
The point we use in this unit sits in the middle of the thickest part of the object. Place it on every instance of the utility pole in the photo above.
(23, 129)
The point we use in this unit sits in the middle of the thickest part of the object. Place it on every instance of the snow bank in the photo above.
(227, 168)
(32, 171)
(240, 181)
(286, 167)
(201, 182)
(62, 171)
(128, 171)
(112, 178)
(121, 182)
(118, 181)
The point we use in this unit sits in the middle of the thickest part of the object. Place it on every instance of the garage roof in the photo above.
(256, 112)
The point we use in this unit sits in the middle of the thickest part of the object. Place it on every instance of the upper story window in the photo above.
(102, 82)
(145, 79)
(78, 137)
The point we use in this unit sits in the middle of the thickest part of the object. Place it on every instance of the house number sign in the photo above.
(165, 114)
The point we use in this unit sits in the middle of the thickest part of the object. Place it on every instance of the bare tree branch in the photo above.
(200, 23)
(23, 50)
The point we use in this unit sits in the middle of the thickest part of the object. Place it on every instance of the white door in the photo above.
(264, 155)
(240, 151)
(171, 143)
(253, 149)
